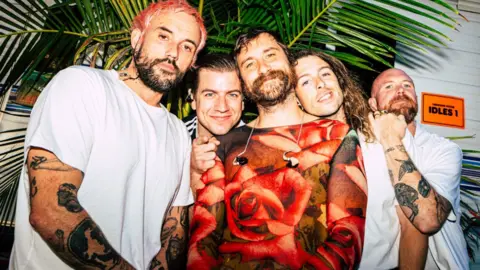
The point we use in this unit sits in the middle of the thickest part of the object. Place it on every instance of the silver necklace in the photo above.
(292, 162)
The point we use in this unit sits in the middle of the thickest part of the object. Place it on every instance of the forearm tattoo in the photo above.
(399, 147)
(423, 187)
(169, 226)
(407, 166)
(58, 243)
(67, 197)
(443, 208)
(33, 188)
(406, 196)
(176, 249)
(156, 265)
(42, 163)
(176, 252)
(87, 232)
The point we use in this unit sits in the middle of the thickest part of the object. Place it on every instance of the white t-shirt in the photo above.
(135, 159)
(439, 161)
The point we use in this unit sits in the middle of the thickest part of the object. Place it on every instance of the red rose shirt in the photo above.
(267, 215)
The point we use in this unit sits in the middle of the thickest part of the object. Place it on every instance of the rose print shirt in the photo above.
(266, 215)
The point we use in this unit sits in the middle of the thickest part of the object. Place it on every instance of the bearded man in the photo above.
(106, 164)
(423, 194)
(287, 190)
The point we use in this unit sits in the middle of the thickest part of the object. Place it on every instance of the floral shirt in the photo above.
(266, 215)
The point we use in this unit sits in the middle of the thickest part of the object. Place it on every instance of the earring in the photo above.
(299, 104)
(189, 95)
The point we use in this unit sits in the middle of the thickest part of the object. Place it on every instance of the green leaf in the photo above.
(415, 11)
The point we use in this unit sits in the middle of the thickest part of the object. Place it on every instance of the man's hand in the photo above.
(202, 159)
(203, 154)
(387, 127)
(425, 208)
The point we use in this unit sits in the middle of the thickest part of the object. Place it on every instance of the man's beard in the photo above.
(408, 110)
(271, 88)
(146, 73)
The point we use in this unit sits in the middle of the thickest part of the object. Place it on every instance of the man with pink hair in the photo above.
(106, 179)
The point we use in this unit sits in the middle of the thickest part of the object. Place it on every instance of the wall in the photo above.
(453, 71)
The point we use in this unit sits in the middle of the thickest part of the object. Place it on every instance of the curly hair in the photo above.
(354, 99)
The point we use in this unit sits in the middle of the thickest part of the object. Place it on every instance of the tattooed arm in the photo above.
(61, 221)
(426, 209)
(173, 254)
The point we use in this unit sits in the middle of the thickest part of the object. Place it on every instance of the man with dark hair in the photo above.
(286, 191)
(105, 184)
(216, 97)
(424, 171)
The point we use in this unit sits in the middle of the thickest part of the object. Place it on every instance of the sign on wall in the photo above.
(443, 110)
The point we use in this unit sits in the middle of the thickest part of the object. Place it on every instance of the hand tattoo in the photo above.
(33, 188)
(406, 196)
(406, 167)
(87, 232)
(67, 198)
(424, 187)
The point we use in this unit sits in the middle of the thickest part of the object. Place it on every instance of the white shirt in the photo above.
(135, 159)
(439, 161)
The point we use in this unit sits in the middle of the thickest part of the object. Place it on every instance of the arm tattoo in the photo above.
(155, 264)
(406, 167)
(443, 208)
(399, 147)
(58, 244)
(41, 163)
(184, 218)
(406, 196)
(33, 188)
(424, 187)
(67, 198)
(176, 252)
(169, 226)
(87, 232)
(390, 149)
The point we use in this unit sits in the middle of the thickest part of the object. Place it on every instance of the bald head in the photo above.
(393, 90)
(389, 75)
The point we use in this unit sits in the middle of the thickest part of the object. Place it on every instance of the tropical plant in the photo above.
(45, 38)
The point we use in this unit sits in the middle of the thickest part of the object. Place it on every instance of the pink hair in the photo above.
(143, 19)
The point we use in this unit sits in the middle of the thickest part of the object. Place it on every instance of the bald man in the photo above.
(420, 206)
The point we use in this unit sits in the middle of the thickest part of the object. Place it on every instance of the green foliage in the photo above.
(35, 37)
